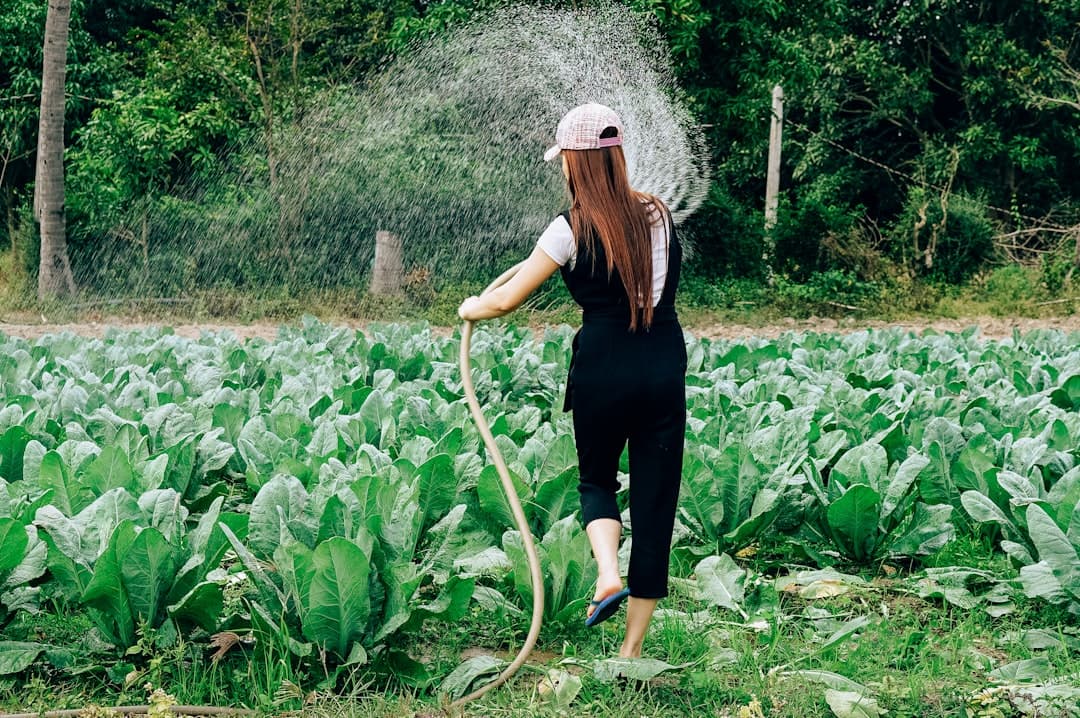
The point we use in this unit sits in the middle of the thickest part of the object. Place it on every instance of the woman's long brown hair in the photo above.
(606, 208)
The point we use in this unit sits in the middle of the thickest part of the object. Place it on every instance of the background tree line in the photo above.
(926, 139)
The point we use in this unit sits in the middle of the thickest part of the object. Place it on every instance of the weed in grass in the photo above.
(973, 551)
(360, 707)
(15, 292)
(55, 626)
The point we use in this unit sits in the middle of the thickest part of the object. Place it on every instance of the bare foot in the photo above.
(639, 614)
(605, 586)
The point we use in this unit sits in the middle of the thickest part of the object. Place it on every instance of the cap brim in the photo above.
(552, 153)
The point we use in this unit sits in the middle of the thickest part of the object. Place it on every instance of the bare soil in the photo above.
(989, 327)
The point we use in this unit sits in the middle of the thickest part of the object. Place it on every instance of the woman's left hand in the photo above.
(468, 309)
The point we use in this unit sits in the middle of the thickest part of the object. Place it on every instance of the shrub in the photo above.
(699, 291)
(825, 292)
(1011, 284)
(725, 237)
(947, 246)
(1059, 266)
(803, 224)
(857, 250)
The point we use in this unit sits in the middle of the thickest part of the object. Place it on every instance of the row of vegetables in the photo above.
(326, 493)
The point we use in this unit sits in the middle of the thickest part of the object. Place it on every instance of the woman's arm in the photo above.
(499, 301)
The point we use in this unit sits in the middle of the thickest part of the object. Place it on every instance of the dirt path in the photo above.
(990, 327)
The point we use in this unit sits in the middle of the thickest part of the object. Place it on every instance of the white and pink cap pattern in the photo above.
(581, 127)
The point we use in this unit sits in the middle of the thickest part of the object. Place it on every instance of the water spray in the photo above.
(441, 147)
(527, 540)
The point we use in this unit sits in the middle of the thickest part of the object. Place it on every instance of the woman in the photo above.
(620, 258)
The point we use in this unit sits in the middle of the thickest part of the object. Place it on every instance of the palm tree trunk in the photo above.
(54, 273)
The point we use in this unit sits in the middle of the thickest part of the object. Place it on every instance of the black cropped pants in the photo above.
(629, 390)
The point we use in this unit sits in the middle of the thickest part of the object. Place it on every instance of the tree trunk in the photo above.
(9, 208)
(54, 274)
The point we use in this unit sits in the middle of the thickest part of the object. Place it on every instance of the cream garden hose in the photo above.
(515, 506)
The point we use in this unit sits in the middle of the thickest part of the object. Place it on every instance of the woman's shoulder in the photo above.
(558, 240)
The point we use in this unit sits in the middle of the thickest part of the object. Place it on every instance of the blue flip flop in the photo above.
(606, 608)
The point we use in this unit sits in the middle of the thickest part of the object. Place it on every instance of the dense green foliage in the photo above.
(326, 494)
(918, 132)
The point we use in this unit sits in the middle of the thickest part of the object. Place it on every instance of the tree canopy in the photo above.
(927, 137)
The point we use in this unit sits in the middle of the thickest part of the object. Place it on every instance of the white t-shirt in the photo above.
(557, 241)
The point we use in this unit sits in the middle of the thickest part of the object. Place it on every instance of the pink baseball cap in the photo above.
(581, 127)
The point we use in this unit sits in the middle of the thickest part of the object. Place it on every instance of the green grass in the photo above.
(920, 659)
(15, 294)
(1010, 291)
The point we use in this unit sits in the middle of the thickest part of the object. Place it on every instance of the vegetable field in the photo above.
(315, 515)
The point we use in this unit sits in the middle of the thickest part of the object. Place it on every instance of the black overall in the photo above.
(629, 389)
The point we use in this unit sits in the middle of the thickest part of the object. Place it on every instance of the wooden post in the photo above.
(772, 179)
(387, 275)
